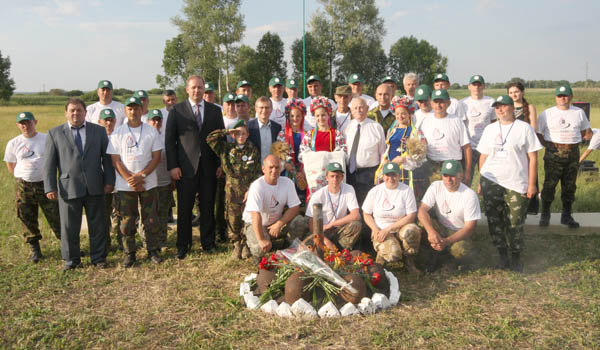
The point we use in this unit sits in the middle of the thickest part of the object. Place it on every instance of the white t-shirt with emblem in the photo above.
(563, 126)
(480, 114)
(135, 146)
(595, 141)
(419, 116)
(28, 153)
(453, 209)
(269, 200)
(335, 206)
(389, 205)
(457, 108)
(445, 137)
(93, 112)
(278, 113)
(507, 147)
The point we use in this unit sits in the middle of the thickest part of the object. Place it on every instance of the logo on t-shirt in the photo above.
(437, 134)
(563, 124)
(130, 142)
(274, 202)
(445, 209)
(473, 113)
(498, 139)
(27, 153)
(387, 206)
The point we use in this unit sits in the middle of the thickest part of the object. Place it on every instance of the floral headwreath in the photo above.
(321, 101)
(404, 102)
(295, 103)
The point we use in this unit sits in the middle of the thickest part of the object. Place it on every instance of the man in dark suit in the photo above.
(193, 164)
(263, 132)
(76, 151)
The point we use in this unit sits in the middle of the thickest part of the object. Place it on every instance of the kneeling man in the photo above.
(341, 216)
(264, 217)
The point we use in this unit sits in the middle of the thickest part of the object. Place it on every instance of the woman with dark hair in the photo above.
(527, 113)
(523, 110)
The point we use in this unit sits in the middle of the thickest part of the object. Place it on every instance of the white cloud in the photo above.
(398, 14)
(53, 14)
(285, 29)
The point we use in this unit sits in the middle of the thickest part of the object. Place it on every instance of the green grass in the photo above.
(194, 303)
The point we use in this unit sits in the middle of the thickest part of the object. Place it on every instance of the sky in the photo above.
(72, 44)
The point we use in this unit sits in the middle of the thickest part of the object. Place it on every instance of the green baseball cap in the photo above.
(141, 94)
(343, 90)
(564, 90)
(476, 79)
(275, 81)
(388, 79)
(503, 100)
(355, 78)
(291, 83)
(239, 123)
(105, 84)
(335, 167)
(442, 77)
(451, 167)
(242, 83)
(23, 116)
(229, 97)
(313, 78)
(133, 100)
(441, 94)
(423, 93)
(107, 113)
(155, 113)
(208, 87)
(391, 167)
(242, 97)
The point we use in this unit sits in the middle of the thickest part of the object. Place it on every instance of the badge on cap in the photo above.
(206, 86)
(22, 115)
(438, 76)
(476, 77)
(230, 96)
(499, 98)
(132, 99)
(311, 77)
(105, 83)
(336, 165)
(562, 88)
(244, 82)
(140, 93)
(437, 93)
(107, 112)
(155, 112)
(292, 81)
(449, 166)
(420, 91)
(277, 80)
(390, 166)
(355, 76)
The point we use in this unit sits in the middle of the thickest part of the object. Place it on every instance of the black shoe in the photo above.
(196, 221)
(36, 252)
(434, 262)
(545, 217)
(155, 257)
(515, 262)
(69, 267)
(129, 260)
(504, 263)
(182, 253)
(210, 250)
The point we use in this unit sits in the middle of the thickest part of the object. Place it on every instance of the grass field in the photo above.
(194, 303)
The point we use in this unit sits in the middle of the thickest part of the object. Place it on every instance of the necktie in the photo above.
(78, 141)
(354, 150)
(199, 117)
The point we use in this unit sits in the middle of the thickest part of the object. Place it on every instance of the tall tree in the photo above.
(210, 31)
(269, 53)
(316, 61)
(7, 84)
(409, 54)
(248, 68)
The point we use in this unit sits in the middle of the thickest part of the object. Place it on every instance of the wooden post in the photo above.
(318, 238)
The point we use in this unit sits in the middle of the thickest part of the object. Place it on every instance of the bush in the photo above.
(90, 97)
(57, 92)
(122, 92)
(74, 93)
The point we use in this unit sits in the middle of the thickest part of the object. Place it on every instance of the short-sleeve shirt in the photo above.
(335, 206)
(419, 116)
(93, 112)
(563, 127)
(507, 147)
(163, 177)
(28, 153)
(135, 146)
(269, 200)
(457, 108)
(595, 141)
(445, 137)
(278, 113)
(453, 209)
(480, 114)
(389, 205)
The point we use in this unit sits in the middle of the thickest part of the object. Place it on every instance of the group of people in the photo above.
(394, 171)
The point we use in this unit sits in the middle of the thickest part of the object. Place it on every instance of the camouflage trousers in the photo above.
(129, 213)
(506, 211)
(560, 165)
(344, 236)
(459, 250)
(113, 221)
(234, 207)
(220, 203)
(165, 202)
(30, 196)
(297, 228)
(405, 240)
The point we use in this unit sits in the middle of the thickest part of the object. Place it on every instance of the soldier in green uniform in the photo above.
(240, 162)
(24, 157)
(561, 129)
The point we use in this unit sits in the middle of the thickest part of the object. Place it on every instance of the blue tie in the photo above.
(78, 141)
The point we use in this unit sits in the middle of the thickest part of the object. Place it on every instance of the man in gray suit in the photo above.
(76, 152)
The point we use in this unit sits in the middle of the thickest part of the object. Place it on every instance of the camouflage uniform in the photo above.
(220, 222)
(111, 202)
(459, 250)
(391, 248)
(30, 196)
(506, 211)
(129, 213)
(297, 228)
(560, 165)
(386, 122)
(241, 166)
(165, 201)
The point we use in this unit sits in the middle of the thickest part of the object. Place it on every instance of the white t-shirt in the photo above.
(453, 209)
(507, 147)
(563, 126)
(28, 153)
(457, 108)
(93, 112)
(278, 113)
(445, 137)
(123, 142)
(342, 120)
(335, 206)
(269, 200)
(595, 141)
(388, 206)
(420, 116)
(480, 114)
(163, 177)
(309, 118)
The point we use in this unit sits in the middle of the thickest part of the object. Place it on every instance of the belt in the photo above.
(28, 182)
(562, 146)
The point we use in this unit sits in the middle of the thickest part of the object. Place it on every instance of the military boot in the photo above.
(237, 250)
(515, 262)
(566, 218)
(245, 251)
(409, 263)
(129, 260)
(504, 264)
(545, 217)
(36, 252)
(434, 262)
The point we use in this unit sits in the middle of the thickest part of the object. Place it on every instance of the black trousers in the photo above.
(205, 186)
